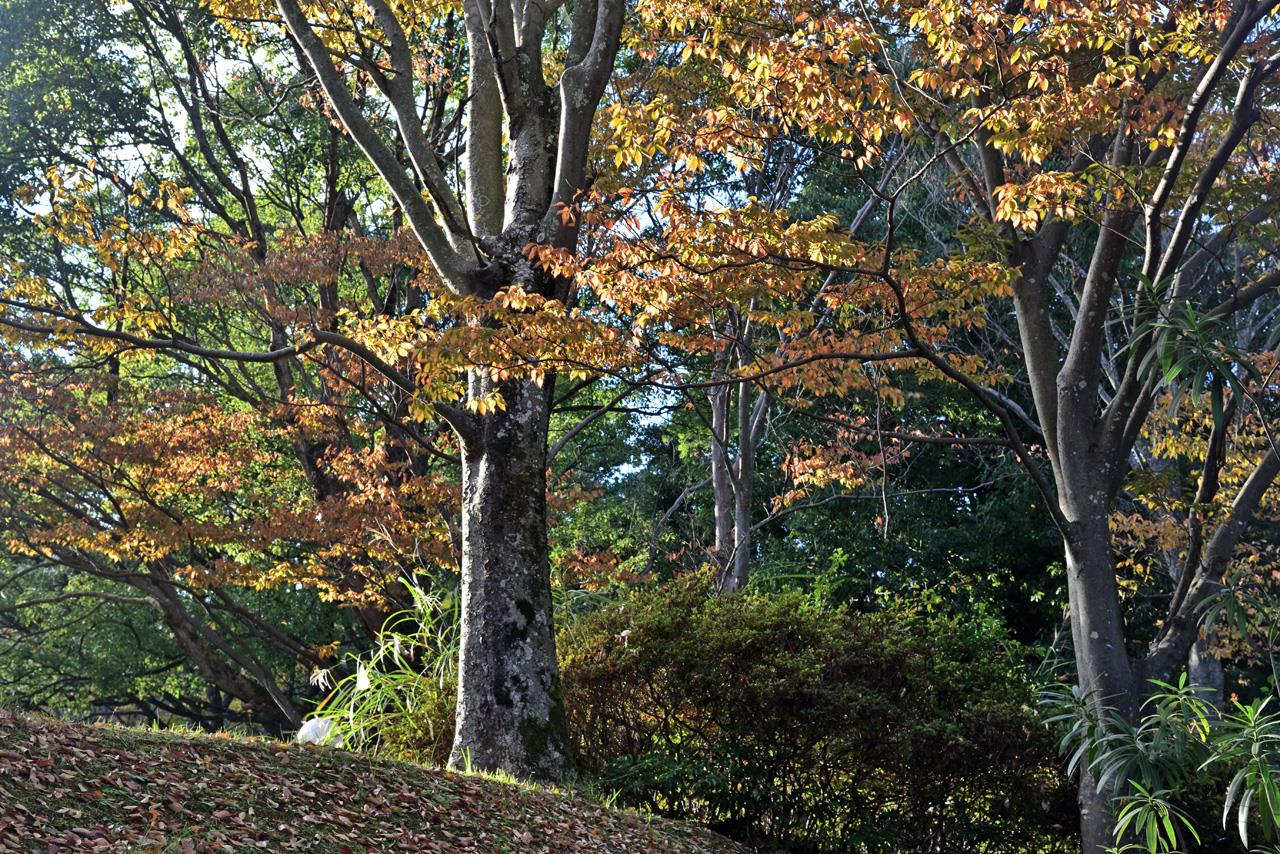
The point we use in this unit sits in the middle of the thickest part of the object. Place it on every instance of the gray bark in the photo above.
(1204, 670)
(510, 712)
(750, 418)
(1089, 443)
(1095, 816)
(1102, 663)
(733, 480)
(721, 487)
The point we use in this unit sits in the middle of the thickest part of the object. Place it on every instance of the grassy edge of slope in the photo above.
(72, 787)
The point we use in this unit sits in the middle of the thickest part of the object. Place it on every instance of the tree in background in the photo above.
(1152, 179)
(1115, 162)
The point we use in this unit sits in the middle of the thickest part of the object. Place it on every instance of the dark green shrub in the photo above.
(796, 725)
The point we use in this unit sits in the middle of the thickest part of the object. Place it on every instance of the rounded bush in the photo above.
(795, 725)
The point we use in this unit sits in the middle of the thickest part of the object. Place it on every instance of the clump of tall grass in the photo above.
(397, 701)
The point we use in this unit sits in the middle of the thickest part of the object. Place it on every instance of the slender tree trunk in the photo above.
(255, 690)
(510, 713)
(721, 485)
(733, 480)
(738, 570)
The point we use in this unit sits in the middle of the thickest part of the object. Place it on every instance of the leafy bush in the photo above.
(787, 722)
(1179, 767)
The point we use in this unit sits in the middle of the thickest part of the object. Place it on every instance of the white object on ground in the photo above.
(318, 731)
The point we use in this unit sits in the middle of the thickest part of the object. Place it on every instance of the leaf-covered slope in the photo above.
(86, 788)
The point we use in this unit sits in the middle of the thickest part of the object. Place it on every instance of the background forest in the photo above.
(846, 426)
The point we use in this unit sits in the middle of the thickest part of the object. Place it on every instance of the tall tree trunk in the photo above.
(738, 570)
(510, 713)
(721, 485)
(733, 479)
(1102, 661)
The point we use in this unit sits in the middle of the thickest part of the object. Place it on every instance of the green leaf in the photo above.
(1242, 817)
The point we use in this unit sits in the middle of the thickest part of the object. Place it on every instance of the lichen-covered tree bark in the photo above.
(510, 713)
